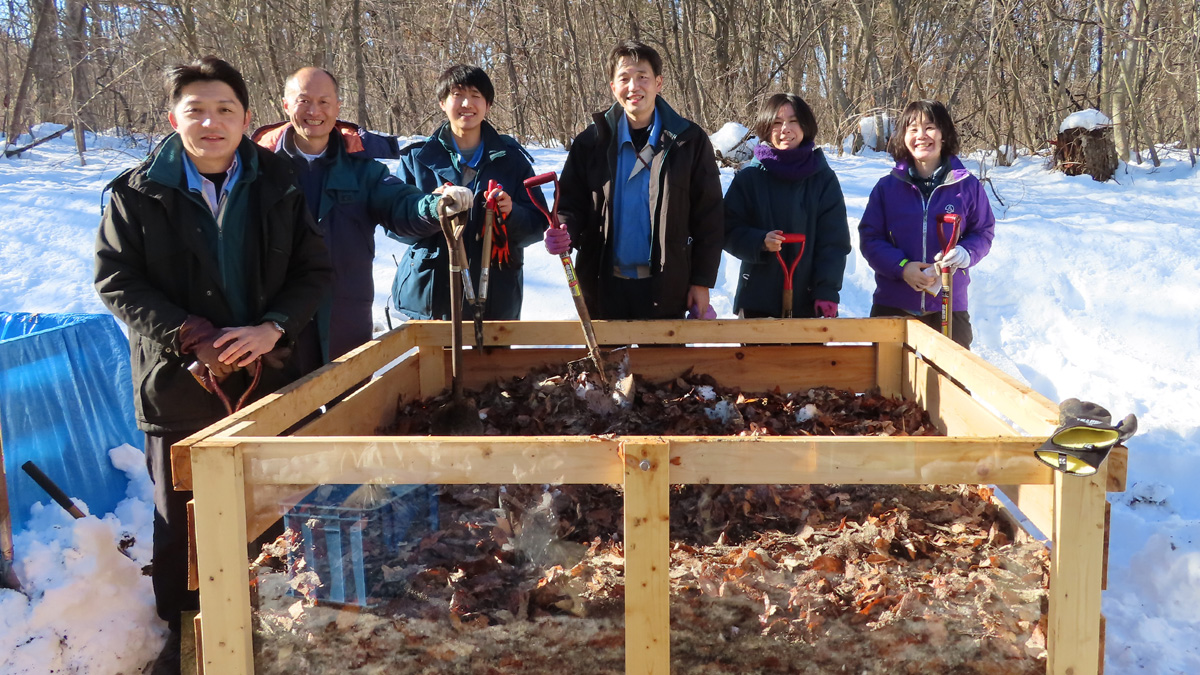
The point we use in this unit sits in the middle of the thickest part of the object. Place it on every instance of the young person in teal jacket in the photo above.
(467, 151)
(787, 189)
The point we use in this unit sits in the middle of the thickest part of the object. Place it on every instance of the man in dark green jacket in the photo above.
(207, 252)
(641, 201)
(349, 193)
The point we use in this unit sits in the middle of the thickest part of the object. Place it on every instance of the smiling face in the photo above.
(211, 121)
(923, 139)
(786, 132)
(635, 87)
(466, 108)
(312, 106)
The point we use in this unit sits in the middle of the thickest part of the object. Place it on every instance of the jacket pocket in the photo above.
(412, 292)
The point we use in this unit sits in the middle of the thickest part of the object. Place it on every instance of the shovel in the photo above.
(589, 334)
(789, 271)
(585, 319)
(948, 244)
(459, 417)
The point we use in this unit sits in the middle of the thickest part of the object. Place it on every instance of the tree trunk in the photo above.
(360, 70)
(46, 20)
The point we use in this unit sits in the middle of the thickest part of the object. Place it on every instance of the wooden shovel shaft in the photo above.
(947, 301)
(585, 319)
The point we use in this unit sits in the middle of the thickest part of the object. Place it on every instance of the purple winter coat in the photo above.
(899, 225)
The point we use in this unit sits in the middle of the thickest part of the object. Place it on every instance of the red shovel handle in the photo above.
(790, 270)
(948, 243)
(536, 181)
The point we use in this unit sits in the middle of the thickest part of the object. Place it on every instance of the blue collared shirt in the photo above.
(460, 160)
(198, 183)
(631, 201)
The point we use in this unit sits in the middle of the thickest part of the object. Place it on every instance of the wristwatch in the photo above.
(279, 328)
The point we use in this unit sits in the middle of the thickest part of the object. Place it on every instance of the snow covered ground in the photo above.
(1090, 291)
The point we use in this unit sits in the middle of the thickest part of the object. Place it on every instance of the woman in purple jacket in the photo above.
(898, 233)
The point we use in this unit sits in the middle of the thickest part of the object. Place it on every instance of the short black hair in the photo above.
(465, 76)
(206, 69)
(635, 51)
(935, 112)
(772, 104)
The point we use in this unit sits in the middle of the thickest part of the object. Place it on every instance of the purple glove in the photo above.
(825, 309)
(709, 313)
(558, 240)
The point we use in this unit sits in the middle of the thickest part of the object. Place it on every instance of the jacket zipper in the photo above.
(925, 226)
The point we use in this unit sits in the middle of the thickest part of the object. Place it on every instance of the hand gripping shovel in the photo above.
(789, 271)
(948, 244)
(490, 213)
(584, 318)
(459, 417)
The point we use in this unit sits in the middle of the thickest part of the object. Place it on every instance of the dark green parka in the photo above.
(759, 201)
(155, 266)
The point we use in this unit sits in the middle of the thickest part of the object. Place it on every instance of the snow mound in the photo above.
(876, 130)
(734, 142)
(88, 608)
(1085, 119)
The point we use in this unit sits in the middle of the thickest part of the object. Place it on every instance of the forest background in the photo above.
(1010, 70)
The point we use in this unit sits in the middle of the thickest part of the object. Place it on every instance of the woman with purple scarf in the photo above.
(787, 189)
(898, 233)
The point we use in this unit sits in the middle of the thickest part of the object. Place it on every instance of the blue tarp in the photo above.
(66, 398)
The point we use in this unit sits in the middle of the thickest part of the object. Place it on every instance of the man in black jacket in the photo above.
(207, 252)
(641, 201)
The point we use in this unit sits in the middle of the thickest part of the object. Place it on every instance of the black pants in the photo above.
(960, 322)
(170, 568)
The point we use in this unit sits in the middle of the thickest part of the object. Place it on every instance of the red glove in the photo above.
(825, 309)
(558, 240)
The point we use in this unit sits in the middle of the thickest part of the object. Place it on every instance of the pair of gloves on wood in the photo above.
(1084, 436)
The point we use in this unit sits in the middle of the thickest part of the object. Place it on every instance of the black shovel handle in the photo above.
(51, 489)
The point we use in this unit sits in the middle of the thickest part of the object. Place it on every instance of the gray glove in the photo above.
(455, 199)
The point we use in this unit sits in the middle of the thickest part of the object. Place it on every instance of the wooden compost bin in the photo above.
(992, 425)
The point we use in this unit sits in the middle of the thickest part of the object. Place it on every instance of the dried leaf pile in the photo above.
(765, 579)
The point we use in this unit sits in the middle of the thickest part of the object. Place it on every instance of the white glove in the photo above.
(958, 259)
(455, 199)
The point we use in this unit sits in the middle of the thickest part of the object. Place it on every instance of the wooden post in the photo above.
(1076, 562)
(889, 368)
(218, 485)
(6, 540)
(647, 558)
(431, 364)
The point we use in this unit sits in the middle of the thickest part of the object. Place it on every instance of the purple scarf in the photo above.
(793, 164)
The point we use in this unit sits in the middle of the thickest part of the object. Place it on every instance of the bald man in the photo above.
(349, 193)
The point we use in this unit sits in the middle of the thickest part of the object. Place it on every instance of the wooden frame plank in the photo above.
(370, 407)
(876, 460)
(219, 491)
(682, 331)
(759, 368)
(1076, 570)
(443, 460)
(1020, 403)
(647, 557)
